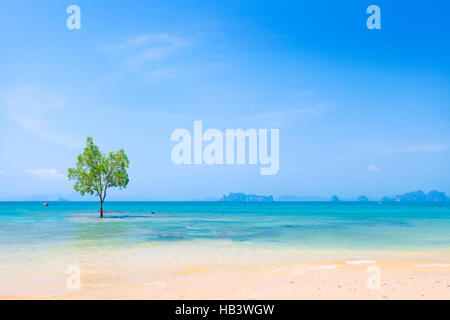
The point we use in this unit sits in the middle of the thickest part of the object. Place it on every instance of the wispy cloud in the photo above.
(2, 172)
(155, 49)
(145, 48)
(422, 148)
(284, 118)
(31, 107)
(306, 93)
(152, 57)
(46, 173)
(275, 119)
(384, 148)
(373, 167)
(163, 74)
(370, 149)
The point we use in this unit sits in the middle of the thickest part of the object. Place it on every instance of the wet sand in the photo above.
(220, 270)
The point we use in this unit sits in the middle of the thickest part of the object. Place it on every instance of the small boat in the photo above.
(45, 204)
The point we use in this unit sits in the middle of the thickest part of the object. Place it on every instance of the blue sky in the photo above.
(359, 111)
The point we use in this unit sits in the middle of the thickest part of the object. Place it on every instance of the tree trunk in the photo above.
(101, 208)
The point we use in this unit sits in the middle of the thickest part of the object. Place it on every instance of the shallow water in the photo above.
(298, 225)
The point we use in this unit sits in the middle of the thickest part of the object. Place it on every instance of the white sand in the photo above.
(221, 270)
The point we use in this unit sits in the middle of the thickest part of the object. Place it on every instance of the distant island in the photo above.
(242, 197)
(362, 199)
(335, 198)
(292, 198)
(415, 196)
(419, 196)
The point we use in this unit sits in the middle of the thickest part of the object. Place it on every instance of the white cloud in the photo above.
(373, 167)
(150, 55)
(284, 118)
(425, 148)
(367, 150)
(146, 47)
(163, 73)
(306, 93)
(418, 148)
(46, 173)
(36, 111)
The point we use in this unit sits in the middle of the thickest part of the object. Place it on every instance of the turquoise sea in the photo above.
(300, 225)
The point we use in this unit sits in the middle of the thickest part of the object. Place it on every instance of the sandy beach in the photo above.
(221, 270)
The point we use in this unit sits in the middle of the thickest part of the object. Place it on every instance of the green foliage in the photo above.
(95, 172)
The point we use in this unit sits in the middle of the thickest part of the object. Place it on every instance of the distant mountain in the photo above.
(419, 196)
(335, 198)
(49, 197)
(242, 197)
(295, 198)
(37, 197)
(415, 196)
(362, 199)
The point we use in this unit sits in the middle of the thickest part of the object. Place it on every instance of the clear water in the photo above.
(302, 225)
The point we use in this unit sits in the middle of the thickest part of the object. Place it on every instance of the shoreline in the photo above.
(224, 270)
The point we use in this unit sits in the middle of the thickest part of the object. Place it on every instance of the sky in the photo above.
(359, 111)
